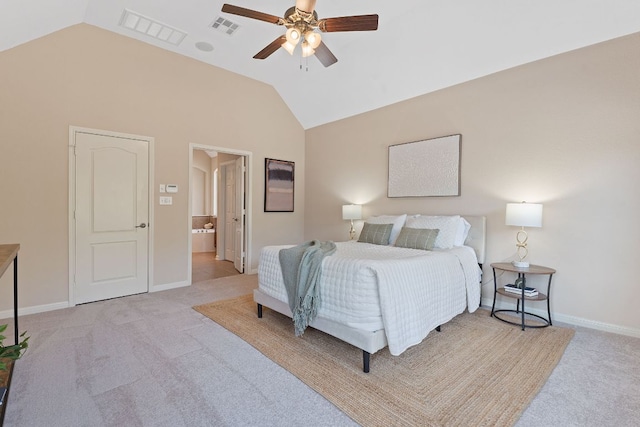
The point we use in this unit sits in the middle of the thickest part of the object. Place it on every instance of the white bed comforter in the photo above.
(406, 292)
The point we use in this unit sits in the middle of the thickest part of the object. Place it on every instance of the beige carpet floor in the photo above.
(477, 371)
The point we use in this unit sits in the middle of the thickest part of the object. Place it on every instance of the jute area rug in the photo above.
(478, 371)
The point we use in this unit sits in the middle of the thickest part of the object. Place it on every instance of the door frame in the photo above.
(239, 199)
(248, 155)
(73, 130)
(222, 213)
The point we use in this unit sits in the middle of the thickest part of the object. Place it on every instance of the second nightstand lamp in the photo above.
(523, 215)
(351, 212)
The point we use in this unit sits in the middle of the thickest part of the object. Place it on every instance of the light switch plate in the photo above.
(163, 188)
(166, 200)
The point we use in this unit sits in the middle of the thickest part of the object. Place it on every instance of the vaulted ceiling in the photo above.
(420, 45)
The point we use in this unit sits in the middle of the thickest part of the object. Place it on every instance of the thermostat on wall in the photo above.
(172, 188)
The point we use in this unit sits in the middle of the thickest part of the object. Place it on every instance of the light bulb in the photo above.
(307, 50)
(293, 35)
(314, 39)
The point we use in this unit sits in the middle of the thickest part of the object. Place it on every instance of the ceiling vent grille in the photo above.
(156, 29)
(224, 26)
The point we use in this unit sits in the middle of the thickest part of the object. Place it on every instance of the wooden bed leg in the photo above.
(366, 357)
(259, 311)
(438, 328)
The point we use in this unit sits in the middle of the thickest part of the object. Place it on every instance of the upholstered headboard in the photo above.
(477, 235)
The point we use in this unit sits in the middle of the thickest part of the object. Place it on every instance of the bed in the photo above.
(379, 295)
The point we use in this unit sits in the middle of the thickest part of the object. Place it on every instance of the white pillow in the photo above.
(448, 226)
(396, 220)
(462, 233)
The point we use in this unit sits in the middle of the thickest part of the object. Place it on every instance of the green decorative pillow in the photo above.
(417, 238)
(378, 234)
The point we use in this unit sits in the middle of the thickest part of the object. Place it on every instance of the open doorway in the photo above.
(219, 203)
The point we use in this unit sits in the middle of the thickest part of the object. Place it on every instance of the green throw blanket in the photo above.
(301, 271)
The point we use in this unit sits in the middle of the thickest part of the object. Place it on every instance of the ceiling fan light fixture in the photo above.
(307, 49)
(314, 39)
(302, 26)
(293, 36)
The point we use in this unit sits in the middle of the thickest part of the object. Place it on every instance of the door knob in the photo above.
(143, 225)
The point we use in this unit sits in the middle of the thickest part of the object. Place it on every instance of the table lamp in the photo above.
(351, 212)
(523, 215)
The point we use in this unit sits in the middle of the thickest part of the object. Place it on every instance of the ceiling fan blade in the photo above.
(241, 11)
(325, 56)
(272, 47)
(349, 23)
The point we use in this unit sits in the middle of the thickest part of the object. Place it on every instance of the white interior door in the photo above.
(111, 216)
(238, 261)
(230, 212)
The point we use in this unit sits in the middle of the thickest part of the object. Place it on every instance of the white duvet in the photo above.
(406, 292)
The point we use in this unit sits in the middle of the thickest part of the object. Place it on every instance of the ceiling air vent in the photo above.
(224, 26)
(156, 29)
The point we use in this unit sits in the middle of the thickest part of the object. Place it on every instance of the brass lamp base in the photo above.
(522, 251)
(352, 232)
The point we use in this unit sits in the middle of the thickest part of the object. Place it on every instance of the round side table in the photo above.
(522, 272)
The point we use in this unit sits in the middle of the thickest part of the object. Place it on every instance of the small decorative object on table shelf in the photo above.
(521, 292)
(529, 292)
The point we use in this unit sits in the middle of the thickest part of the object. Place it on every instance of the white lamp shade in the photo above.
(288, 47)
(524, 214)
(307, 50)
(314, 39)
(352, 212)
(293, 35)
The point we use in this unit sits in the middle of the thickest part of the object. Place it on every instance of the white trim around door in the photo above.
(248, 155)
(74, 132)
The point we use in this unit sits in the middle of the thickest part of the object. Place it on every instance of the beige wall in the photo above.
(563, 132)
(88, 77)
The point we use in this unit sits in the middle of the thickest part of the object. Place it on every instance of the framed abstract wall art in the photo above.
(430, 167)
(278, 185)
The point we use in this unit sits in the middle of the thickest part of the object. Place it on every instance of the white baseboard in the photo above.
(167, 286)
(571, 320)
(486, 303)
(23, 311)
(8, 314)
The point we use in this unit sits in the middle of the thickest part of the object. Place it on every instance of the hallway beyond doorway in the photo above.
(206, 267)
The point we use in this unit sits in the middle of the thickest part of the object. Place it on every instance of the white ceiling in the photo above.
(420, 45)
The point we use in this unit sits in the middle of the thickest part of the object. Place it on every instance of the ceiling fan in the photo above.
(302, 22)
